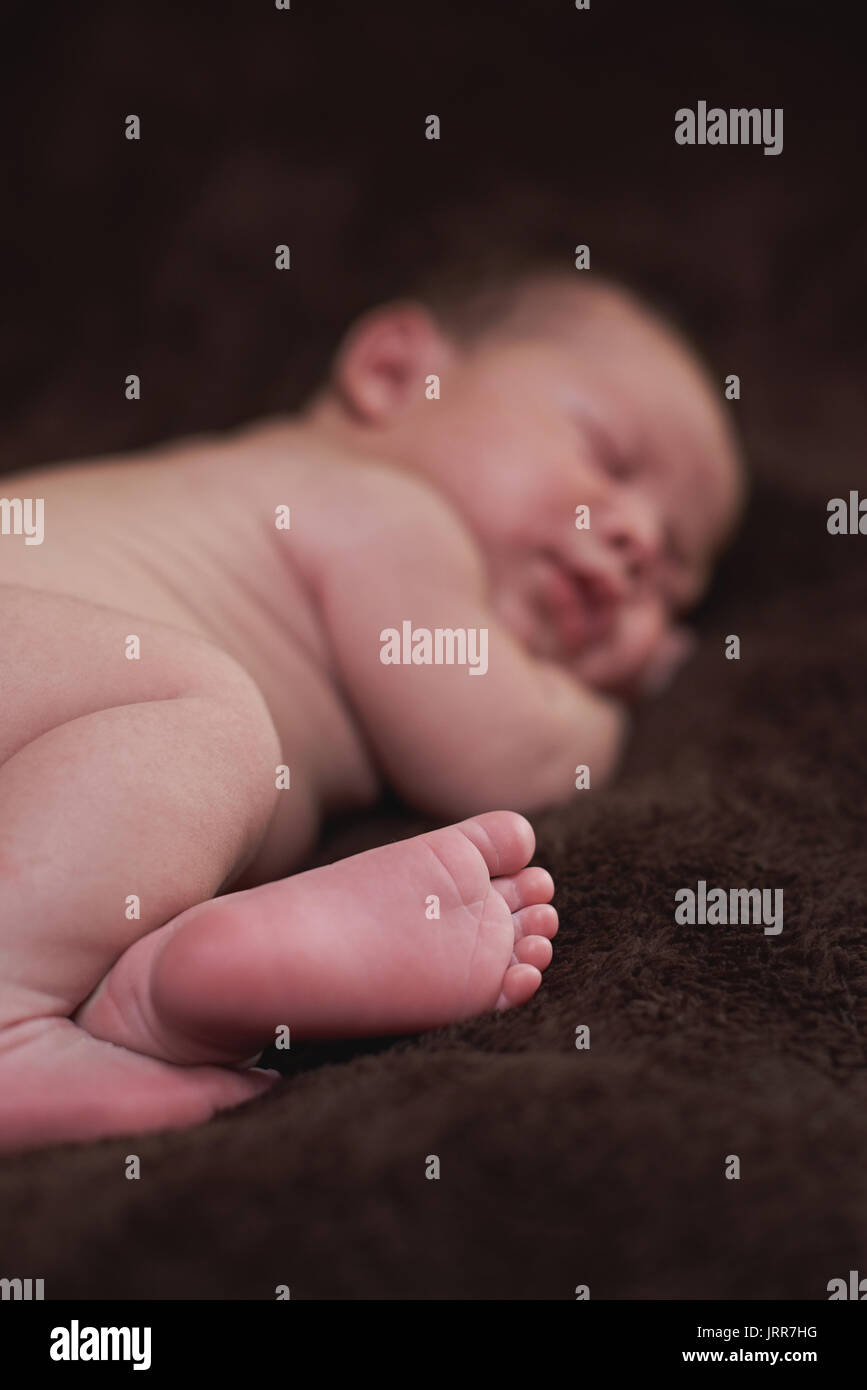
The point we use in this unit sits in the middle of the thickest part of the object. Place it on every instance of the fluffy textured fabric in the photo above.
(559, 1166)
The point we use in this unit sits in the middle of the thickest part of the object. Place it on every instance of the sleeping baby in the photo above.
(451, 574)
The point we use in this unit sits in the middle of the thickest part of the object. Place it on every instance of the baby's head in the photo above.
(556, 396)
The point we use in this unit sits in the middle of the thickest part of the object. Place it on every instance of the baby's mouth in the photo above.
(572, 604)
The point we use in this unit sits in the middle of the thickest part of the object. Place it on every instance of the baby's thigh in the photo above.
(62, 657)
(143, 758)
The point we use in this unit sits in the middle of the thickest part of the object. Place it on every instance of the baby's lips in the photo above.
(574, 607)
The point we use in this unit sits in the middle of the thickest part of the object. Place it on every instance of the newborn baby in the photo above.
(221, 641)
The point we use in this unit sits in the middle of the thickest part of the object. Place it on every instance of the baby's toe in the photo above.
(523, 889)
(540, 919)
(504, 839)
(534, 950)
(520, 983)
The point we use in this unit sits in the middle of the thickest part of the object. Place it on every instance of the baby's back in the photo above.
(218, 537)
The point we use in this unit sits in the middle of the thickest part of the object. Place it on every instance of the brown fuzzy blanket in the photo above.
(602, 1166)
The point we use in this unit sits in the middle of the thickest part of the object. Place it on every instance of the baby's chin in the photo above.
(609, 668)
(631, 661)
(609, 672)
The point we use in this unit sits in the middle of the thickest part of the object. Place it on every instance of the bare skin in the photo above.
(137, 989)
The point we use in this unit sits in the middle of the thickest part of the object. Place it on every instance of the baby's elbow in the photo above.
(555, 779)
(581, 758)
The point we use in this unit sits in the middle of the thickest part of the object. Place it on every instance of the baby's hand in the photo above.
(674, 650)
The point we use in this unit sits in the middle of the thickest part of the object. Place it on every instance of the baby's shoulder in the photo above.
(383, 510)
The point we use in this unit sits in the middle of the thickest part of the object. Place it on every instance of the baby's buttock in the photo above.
(324, 766)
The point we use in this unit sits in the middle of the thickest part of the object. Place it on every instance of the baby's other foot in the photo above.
(58, 1085)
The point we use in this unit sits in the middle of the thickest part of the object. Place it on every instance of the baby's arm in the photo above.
(450, 742)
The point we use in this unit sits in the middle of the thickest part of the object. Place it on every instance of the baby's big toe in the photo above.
(504, 839)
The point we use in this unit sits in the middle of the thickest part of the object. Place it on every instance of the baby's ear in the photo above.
(675, 648)
(384, 360)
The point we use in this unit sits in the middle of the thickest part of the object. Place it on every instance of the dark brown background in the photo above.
(558, 1167)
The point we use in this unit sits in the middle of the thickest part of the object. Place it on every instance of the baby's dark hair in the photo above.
(471, 301)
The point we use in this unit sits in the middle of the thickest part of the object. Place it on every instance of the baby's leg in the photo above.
(129, 790)
(406, 937)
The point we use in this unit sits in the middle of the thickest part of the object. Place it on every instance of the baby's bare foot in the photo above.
(410, 936)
